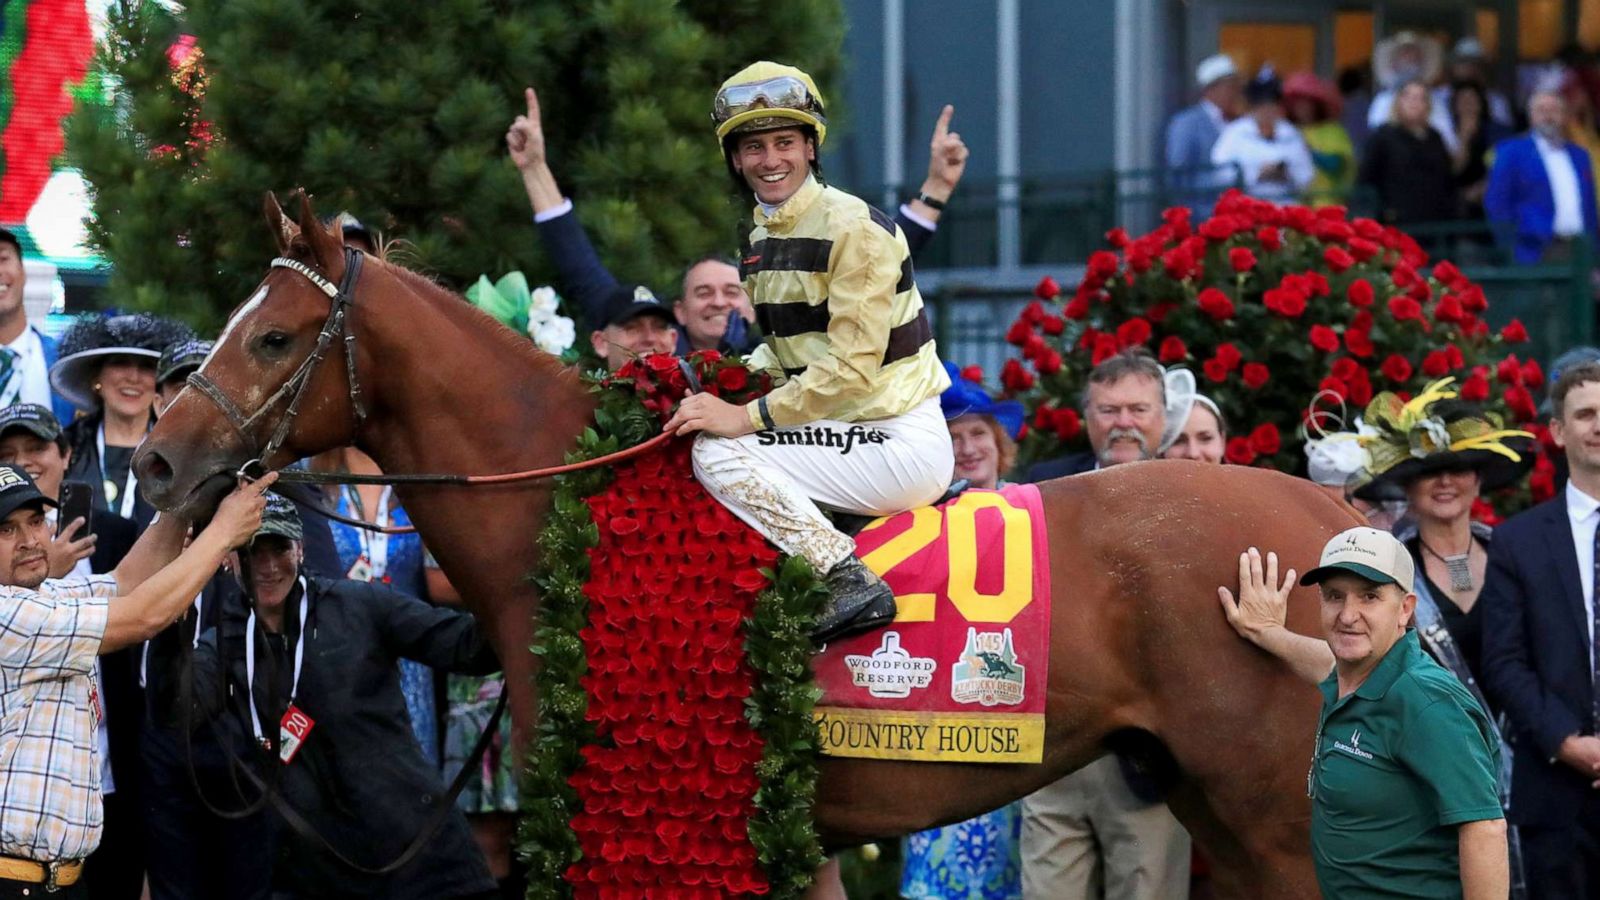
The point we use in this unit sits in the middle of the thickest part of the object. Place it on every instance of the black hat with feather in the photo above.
(92, 338)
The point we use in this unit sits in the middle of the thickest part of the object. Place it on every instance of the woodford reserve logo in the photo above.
(890, 671)
(988, 672)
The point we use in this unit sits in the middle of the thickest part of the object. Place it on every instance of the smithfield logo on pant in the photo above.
(842, 439)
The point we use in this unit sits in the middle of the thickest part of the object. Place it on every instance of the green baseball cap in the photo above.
(280, 518)
(1370, 553)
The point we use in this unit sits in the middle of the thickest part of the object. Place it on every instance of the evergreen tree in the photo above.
(397, 112)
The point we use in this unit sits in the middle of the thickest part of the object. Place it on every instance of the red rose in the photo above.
(1215, 369)
(1239, 451)
(1483, 512)
(1436, 364)
(736, 378)
(1255, 375)
(1049, 362)
(1066, 424)
(1215, 304)
(1338, 259)
(1269, 237)
(1456, 359)
(1446, 271)
(1118, 238)
(1285, 301)
(1509, 371)
(1180, 263)
(1360, 389)
(1158, 313)
(1396, 368)
(1360, 293)
(1044, 417)
(1177, 219)
(1363, 249)
(1102, 264)
(1218, 228)
(1514, 332)
(1346, 369)
(1265, 440)
(1014, 377)
(1449, 309)
(1520, 401)
(1048, 289)
(1475, 388)
(973, 374)
(1133, 332)
(1052, 325)
(1324, 338)
(1230, 356)
(1532, 374)
(1033, 346)
(1405, 309)
(1077, 308)
(1019, 333)
(1473, 300)
(1105, 347)
(1241, 259)
(1033, 313)
(1172, 349)
(1335, 386)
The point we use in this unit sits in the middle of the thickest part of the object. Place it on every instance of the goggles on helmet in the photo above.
(783, 92)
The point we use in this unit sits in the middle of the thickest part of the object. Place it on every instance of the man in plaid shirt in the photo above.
(50, 633)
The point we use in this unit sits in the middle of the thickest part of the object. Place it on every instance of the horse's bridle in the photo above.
(337, 324)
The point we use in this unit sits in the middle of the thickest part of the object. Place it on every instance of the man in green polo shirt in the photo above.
(1404, 797)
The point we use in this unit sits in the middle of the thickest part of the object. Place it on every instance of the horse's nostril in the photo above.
(156, 469)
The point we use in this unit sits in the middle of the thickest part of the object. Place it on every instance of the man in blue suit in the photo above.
(26, 353)
(711, 312)
(1193, 131)
(1540, 195)
(1539, 655)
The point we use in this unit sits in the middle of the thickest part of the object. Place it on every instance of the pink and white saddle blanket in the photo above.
(960, 674)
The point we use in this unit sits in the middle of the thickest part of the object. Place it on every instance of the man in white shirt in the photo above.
(1270, 153)
(26, 353)
(1539, 660)
(1541, 191)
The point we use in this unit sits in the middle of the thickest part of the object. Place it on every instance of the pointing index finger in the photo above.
(533, 103)
(942, 127)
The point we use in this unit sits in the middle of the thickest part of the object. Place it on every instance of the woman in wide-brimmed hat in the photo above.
(1443, 454)
(1313, 105)
(107, 369)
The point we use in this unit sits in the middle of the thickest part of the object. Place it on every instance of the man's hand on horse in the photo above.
(704, 412)
(525, 138)
(1263, 603)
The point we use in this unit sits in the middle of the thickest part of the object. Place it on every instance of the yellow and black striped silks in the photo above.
(847, 337)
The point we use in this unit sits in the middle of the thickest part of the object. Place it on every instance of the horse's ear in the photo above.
(282, 227)
(326, 249)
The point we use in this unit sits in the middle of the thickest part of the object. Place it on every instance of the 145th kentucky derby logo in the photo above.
(988, 672)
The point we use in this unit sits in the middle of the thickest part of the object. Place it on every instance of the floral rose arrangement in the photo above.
(1273, 307)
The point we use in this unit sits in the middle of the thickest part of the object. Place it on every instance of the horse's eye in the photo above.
(274, 340)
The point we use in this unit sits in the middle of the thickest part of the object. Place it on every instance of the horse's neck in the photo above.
(457, 393)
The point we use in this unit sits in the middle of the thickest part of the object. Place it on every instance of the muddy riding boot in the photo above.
(858, 601)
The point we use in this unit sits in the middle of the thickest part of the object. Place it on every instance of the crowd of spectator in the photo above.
(1437, 142)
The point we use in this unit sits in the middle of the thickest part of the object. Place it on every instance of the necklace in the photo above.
(1459, 566)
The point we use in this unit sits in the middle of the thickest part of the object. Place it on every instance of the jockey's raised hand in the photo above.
(705, 412)
(525, 137)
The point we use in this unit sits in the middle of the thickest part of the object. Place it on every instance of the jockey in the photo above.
(854, 423)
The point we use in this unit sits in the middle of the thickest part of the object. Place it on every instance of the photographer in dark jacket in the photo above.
(309, 674)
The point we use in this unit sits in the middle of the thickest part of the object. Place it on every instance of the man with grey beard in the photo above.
(1103, 831)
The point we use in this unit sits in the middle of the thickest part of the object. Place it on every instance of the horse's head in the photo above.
(239, 400)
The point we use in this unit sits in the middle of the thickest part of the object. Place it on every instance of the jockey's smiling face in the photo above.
(774, 163)
(1125, 419)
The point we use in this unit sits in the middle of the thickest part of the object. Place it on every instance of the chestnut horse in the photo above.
(1142, 660)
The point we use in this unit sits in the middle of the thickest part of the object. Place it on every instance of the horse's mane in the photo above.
(545, 364)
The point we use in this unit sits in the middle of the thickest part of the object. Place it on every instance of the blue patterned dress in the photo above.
(978, 859)
(404, 574)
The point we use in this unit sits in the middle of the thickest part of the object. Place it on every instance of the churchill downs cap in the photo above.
(1372, 554)
(280, 518)
(179, 359)
(31, 417)
(17, 490)
(629, 302)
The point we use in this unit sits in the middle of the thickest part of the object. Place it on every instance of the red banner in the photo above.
(960, 674)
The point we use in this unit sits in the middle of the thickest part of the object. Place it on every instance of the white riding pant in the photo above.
(775, 479)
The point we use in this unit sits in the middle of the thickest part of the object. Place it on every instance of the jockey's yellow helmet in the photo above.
(767, 95)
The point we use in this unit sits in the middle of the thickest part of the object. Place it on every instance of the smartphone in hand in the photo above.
(77, 502)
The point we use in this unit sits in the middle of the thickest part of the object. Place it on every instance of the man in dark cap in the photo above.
(177, 363)
(308, 674)
(636, 323)
(51, 632)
